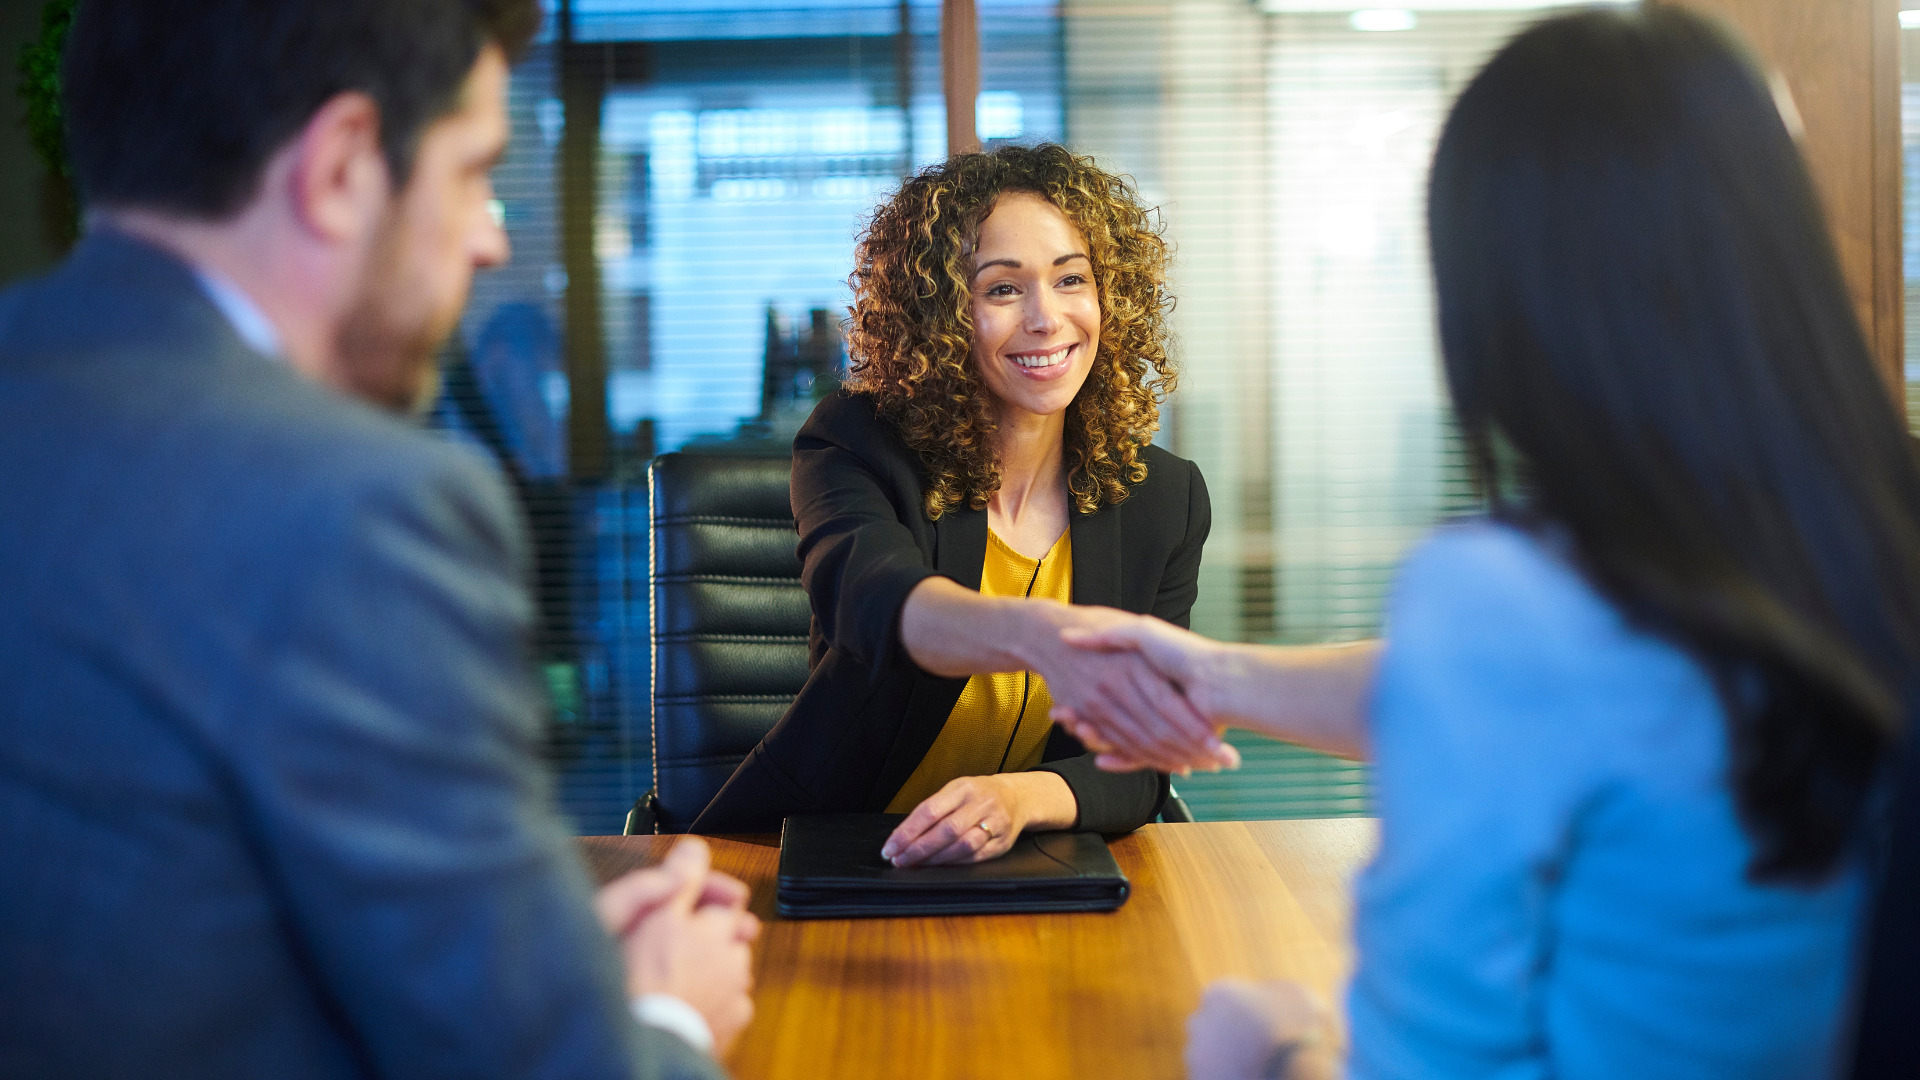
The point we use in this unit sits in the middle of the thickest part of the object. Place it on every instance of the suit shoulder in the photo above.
(1171, 480)
(852, 422)
(847, 419)
(1167, 465)
(363, 454)
(352, 465)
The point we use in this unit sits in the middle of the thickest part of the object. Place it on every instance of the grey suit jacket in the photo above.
(270, 801)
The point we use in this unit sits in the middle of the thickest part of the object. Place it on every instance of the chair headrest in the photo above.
(721, 485)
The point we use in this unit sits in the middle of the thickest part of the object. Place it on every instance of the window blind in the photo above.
(738, 146)
(1288, 144)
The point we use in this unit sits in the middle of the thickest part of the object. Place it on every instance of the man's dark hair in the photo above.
(1639, 299)
(178, 104)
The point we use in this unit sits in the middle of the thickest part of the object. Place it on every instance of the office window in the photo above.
(1288, 145)
(736, 147)
(731, 148)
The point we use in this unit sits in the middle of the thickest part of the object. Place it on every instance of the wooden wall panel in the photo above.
(960, 72)
(1841, 58)
(583, 91)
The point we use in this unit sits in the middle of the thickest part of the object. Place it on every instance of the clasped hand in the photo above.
(1174, 722)
(683, 929)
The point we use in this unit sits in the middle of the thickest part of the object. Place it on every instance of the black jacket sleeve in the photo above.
(859, 561)
(1109, 802)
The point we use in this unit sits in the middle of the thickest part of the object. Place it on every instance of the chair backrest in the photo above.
(728, 620)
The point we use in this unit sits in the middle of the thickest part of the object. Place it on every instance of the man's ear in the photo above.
(339, 180)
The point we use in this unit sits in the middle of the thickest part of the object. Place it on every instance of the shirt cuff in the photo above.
(672, 1014)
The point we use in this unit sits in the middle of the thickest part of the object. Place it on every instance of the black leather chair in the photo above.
(728, 622)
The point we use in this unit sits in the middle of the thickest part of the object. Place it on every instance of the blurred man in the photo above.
(270, 804)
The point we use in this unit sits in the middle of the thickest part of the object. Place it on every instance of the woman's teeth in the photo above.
(1040, 360)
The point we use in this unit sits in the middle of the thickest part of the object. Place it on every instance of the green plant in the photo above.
(40, 86)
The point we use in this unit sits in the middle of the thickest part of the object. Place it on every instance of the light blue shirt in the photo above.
(248, 321)
(1561, 885)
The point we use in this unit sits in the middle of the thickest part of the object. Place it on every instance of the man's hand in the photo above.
(684, 930)
(976, 818)
(625, 900)
(1184, 737)
(1260, 1031)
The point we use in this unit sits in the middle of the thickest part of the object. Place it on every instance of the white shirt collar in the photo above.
(245, 316)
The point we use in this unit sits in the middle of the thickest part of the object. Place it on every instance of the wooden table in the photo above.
(1039, 996)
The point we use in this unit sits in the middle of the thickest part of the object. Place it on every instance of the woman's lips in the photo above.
(1062, 361)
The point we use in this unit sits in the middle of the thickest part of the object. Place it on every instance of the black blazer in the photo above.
(868, 714)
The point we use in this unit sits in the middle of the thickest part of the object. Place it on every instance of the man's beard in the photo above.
(386, 346)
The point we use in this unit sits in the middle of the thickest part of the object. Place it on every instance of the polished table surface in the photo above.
(1103, 996)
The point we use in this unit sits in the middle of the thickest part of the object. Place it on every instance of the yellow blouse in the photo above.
(1000, 723)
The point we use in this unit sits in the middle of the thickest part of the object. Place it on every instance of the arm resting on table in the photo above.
(399, 807)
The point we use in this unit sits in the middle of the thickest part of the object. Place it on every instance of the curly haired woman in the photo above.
(987, 467)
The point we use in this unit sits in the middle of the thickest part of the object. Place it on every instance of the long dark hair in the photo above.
(1645, 327)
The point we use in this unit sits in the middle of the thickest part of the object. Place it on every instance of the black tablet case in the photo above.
(830, 868)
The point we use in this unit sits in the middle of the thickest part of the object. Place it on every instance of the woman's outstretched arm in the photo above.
(1313, 695)
(949, 629)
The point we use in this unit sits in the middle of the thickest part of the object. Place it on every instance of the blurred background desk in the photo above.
(1040, 996)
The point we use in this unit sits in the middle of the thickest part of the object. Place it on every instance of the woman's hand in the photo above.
(1314, 695)
(948, 629)
(1181, 662)
(1275, 1030)
(1141, 716)
(976, 818)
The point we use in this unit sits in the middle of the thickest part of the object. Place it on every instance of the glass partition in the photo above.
(701, 217)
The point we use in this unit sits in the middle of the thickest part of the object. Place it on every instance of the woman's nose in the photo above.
(1043, 313)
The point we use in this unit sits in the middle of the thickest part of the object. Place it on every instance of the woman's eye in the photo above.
(1071, 280)
(1002, 289)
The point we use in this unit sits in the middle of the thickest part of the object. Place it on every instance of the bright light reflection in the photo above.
(1381, 20)
(1910, 19)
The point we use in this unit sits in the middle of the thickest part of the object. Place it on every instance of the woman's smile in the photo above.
(1036, 309)
(1045, 364)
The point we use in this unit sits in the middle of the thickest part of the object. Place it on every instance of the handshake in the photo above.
(1135, 690)
(1143, 694)
(1139, 692)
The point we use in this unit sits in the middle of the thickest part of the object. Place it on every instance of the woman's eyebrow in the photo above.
(1010, 263)
(1015, 264)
